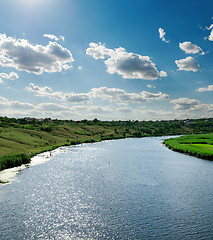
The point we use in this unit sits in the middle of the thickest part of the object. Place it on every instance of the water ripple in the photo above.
(126, 189)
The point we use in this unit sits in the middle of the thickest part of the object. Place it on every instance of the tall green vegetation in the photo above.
(13, 160)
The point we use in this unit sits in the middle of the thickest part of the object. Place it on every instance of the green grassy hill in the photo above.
(25, 137)
(200, 145)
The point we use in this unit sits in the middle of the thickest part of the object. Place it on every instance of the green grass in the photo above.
(80, 132)
(13, 160)
(200, 145)
(19, 140)
(19, 136)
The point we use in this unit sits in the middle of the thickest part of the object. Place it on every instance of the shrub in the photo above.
(9, 161)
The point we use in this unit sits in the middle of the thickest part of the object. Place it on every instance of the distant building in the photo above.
(29, 119)
(187, 122)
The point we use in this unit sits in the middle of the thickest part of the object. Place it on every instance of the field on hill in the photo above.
(200, 145)
(22, 138)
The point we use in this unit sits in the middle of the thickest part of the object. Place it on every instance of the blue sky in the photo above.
(111, 60)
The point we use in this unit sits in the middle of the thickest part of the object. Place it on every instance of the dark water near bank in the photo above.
(123, 189)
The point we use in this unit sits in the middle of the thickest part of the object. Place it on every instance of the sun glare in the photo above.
(33, 4)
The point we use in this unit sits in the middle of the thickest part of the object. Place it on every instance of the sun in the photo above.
(30, 4)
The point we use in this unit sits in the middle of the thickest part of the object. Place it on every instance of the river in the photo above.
(121, 189)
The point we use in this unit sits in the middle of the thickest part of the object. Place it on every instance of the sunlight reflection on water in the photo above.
(123, 189)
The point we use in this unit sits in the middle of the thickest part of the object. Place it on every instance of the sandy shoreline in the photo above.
(10, 173)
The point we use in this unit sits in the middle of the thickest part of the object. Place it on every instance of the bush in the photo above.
(9, 161)
(46, 129)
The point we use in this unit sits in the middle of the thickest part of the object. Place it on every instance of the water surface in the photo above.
(122, 189)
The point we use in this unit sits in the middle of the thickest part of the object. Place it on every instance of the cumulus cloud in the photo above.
(128, 65)
(21, 105)
(53, 37)
(190, 48)
(17, 108)
(60, 96)
(159, 114)
(15, 104)
(162, 35)
(206, 89)
(23, 56)
(114, 95)
(121, 96)
(154, 96)
(163, 74)
(211, 34)
(185, 104)
(11, 76)
(145, 114)
(66, 66)
(188, 64)
(99, 51)
(124, 110)
(52, 107)
(40, 91)
(150, 86)
(88, 110)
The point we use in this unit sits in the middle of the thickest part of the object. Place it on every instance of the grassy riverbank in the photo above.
(200, 145)
(20, 139)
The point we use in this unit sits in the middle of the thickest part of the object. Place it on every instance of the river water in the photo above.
(121, 189)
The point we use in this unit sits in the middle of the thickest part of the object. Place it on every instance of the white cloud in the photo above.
(188, 64)
(162, 34)
(15, 104)
(79, 67)
(99, 51)
(77, 97)
(154, 96)
(190, 48)
(11, 76)
(159, 114)
(21, 105)
(90, 110)
(23, 56)
(114, 95)
(185, 104)
(66, 66)
(206, 89)
(52, 107)
(40, 91)
(150, 86)
(4, 102)
(60, 96)
(117, 95)
(128, 65)
(124, 110)
(211, 34)
(163, 74)
(53, 37)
